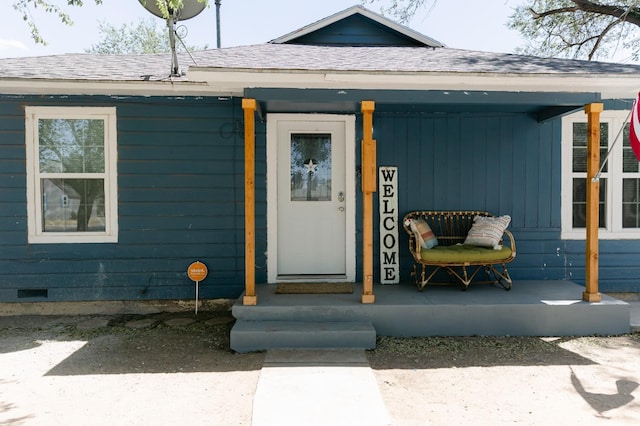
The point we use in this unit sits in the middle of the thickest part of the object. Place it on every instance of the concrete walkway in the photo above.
(318, 387)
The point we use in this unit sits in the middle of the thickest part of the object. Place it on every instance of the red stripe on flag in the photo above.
(634, 128)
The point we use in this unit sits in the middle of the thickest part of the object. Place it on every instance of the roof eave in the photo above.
(206, 81)
(16, 86)
(234, 80)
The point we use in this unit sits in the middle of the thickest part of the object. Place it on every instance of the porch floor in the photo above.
(531, 308)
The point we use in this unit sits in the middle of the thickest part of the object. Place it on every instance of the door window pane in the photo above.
(310, 167)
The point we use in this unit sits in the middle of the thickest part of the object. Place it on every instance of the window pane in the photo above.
(73, 205)
(630, 203)
(579, 208)
(310, 167)
(71, 146)
(630, 163)
(580, 146)
(580, 159)
(580, 134)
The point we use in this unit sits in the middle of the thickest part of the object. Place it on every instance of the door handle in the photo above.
(341, 196)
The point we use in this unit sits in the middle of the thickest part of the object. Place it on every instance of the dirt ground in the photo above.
(167, 368)
(521, 380)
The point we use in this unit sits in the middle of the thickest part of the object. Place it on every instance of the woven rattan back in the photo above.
(449, 227)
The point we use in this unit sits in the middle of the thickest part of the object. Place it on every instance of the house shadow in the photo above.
(156, 348)
(13, 344)
(481, 351)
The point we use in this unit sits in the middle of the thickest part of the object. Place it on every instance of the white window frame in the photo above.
(36, 235)
(613, 229)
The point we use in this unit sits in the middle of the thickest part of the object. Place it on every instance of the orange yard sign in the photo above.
(197, 271)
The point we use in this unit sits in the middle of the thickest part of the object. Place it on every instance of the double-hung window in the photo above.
(71, 174)
(619, 198)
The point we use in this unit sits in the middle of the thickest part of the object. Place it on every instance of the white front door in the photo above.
(311, 197)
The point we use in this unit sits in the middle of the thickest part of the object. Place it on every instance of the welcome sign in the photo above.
(388, 198)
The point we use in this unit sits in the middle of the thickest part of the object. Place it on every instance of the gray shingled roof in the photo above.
(78, 66)
(397, 59)
(298, 57)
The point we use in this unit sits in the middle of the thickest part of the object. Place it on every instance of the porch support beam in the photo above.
(593, 111)
(369, 186)
(249, 106)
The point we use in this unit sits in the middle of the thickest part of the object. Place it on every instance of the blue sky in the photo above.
(464, 24)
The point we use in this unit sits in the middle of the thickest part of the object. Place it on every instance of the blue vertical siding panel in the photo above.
(438, 162)
(544, 176)
(461, 167)
(530, 138)
(554, 136)
(477, 164)
(454, 152)
(517, 192)
(492, 166)
(428, 140)
(506, 166)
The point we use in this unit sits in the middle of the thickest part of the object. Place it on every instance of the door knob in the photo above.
(341, 196)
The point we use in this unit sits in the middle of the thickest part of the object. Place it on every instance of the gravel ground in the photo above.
(170, 368)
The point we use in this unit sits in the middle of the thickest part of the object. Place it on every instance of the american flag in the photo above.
(634, 128)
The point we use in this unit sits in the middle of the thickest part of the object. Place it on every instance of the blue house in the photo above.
(116, 175)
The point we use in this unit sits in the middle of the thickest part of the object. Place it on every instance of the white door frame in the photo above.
(272, 192)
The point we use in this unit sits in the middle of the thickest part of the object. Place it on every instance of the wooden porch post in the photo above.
(369, 186)
(250, 298)
(593, 111)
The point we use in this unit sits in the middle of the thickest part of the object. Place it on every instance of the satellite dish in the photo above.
(190, 8)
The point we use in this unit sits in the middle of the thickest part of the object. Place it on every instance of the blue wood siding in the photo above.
(505, 164)
(356, 30)
(181, 199)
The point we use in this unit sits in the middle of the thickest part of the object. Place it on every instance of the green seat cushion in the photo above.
(464, 253)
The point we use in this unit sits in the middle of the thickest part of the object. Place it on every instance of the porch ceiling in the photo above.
(543, 105)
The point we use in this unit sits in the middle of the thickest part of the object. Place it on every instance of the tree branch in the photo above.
(628, 14)
(601, 37)
(538, 15)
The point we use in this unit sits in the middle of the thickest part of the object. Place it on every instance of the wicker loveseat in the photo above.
(453, 253)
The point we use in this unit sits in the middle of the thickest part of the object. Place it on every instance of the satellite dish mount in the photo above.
(189, 9)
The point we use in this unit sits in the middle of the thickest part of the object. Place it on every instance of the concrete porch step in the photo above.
(248, 336)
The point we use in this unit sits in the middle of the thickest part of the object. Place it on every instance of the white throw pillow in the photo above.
(487, 231)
